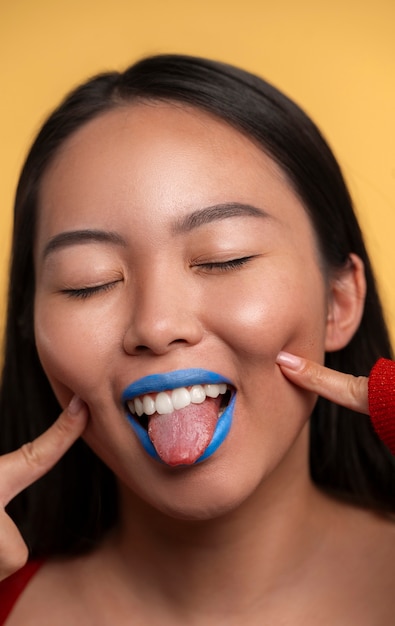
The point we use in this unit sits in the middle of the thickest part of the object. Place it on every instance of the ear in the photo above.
(346, 304)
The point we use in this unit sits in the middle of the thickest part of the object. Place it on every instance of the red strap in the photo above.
(382, 401)
(12, 587)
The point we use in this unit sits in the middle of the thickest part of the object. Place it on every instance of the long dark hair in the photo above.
(75, 503)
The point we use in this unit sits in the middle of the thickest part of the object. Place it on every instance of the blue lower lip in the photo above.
(162, 382)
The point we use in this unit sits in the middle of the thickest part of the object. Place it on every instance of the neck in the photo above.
(225, 564)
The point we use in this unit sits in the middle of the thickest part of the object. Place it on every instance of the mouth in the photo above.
(180, 417)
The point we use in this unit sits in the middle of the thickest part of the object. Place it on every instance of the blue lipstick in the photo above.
(172, 380)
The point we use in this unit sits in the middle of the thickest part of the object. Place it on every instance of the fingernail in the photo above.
(289, 360)
(75, 405)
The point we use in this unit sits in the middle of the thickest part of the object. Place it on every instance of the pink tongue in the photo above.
(181, 437)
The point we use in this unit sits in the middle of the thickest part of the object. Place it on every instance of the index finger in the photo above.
(24, 466)
(344, 389)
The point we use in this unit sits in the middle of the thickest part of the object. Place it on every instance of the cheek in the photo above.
(283, 312)
(74, 352)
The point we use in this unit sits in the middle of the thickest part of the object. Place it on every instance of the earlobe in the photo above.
(346, 304)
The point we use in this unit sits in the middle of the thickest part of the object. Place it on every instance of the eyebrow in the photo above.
(185, 224)
(75, 237)
(216, 212)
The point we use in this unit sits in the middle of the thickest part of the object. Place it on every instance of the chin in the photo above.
(200, 510)
(200, 495)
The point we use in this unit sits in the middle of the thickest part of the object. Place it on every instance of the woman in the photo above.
(181, 229)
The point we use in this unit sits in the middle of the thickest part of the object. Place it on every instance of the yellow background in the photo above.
(335, 57)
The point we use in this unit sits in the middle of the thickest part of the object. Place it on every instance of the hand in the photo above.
(344, 389)
(23, 467)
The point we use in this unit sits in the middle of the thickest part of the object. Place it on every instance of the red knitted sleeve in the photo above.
(12, 587)
(382, 401)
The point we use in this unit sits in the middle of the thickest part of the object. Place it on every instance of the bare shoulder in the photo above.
(71, 591)
(362, 533)
(360, 564)
(48, 598)
(372, 530)
(377, 546)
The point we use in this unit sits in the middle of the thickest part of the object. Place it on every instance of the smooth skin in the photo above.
(244, 537)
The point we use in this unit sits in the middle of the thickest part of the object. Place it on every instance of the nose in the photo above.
(164, 317)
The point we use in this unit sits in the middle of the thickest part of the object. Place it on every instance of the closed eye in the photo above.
(225, 266)
(83, 293)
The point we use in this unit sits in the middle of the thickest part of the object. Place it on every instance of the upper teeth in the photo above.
(167, 402)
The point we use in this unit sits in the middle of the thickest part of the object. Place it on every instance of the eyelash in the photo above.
(225, 266)
(86, 292)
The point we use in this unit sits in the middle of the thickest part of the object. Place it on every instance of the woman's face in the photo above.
(160, 202)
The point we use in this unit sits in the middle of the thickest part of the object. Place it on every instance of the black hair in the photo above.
(71, 508)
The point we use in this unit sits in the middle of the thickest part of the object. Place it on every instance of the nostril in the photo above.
(143, 337)
(142, 348)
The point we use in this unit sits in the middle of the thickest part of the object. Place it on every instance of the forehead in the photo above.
(153, 161)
